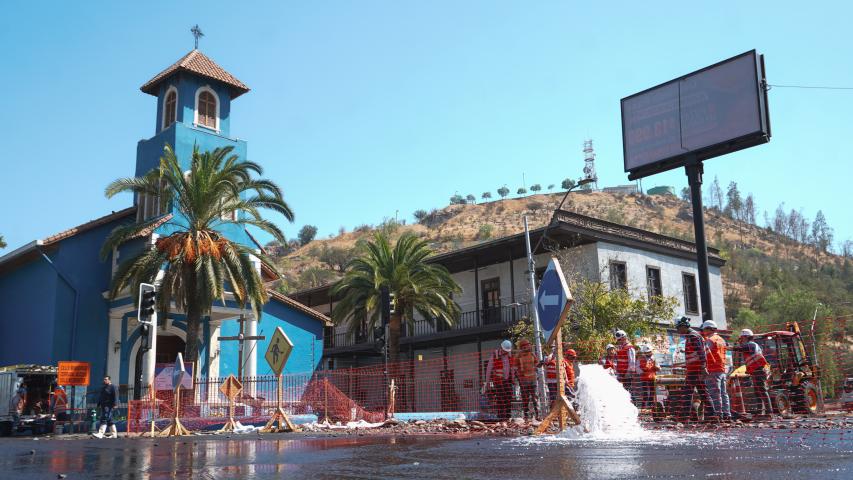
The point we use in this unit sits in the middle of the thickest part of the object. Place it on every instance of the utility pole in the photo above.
(531, 275)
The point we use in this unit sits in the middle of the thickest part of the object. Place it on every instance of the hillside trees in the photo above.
(567, 183)
(471, 198)
(535, 187)
(420, 215)
(457, 200)
(306, 234)
(486, 195)
(822, 233)
(521, 191)
(503, 191)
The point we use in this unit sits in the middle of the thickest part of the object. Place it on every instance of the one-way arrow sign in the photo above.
(553, 300)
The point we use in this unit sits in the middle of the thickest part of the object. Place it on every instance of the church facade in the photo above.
(54, 303)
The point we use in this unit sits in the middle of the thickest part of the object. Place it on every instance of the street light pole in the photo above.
(531, 275)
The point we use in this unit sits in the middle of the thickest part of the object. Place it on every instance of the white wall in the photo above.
(671, 268)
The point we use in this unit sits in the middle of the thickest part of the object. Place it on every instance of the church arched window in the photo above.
(170, 107)
(207, 108)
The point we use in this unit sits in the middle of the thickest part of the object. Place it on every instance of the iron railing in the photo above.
(467, 321)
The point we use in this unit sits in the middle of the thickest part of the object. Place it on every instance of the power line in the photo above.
(813, 87)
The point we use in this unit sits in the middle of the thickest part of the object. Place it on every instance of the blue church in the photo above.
(54, 303)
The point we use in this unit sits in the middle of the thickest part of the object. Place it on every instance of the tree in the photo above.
(734, 205)
(550, 186)
(716, 194)
(822, 233)
(567, 183)
(2, 243)
(521, 191)
(471, 198)
(749, 209)
(336, 258)
(486, 195)
(685, 194)
(457, 200)
(417, 286)
(503, 191)
(847, 249)
(535, 187)
(420, 215)
(195, 263)
(306, 234)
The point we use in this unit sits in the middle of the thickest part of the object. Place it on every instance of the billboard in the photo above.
(713, 111)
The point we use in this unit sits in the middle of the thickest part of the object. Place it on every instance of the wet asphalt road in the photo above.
(747, 454)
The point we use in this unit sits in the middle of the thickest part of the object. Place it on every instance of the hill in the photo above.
(759, 259)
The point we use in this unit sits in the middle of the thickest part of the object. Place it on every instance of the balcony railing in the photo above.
(466, 322)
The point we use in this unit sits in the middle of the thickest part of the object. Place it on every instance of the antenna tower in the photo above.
(589, 162)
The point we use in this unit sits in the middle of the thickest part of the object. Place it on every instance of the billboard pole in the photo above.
(693, 168)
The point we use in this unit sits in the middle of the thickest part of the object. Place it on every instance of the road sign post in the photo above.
(176, 428)
(277, 354)
(231, 388)
(553, 303)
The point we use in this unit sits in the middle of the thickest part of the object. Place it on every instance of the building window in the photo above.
(653, 282)
(491, 289)
(149, 206)
(207, 108)
(170, 107)
(691, 301)
(618, 276)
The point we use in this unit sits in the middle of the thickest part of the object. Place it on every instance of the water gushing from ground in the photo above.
(604, 407)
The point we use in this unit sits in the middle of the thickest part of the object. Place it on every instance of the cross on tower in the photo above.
(241, 339)
(197, 34)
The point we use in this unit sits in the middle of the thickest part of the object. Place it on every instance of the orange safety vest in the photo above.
(525, 364)
(649, 368)
(551, 372)
(60, 400)
(622, 358)
(498, 373)
(754, 361)
(716, 349)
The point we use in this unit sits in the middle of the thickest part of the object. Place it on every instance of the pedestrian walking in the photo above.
(756, 367)
(626, 363)
(525, 367)
(695, 360)
(715, 382)
(648, 376)
(107, 401)
(499, 375)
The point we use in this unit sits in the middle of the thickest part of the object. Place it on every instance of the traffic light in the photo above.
(379, 338)
(145, 314)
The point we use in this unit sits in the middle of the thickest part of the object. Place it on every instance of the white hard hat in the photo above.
(746, 333)
(645, 349)
(609, 346)
(506, 345)
(620, 334)
(709, 324)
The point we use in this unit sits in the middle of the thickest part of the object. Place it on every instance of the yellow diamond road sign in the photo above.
(231, 387)
(278, 351)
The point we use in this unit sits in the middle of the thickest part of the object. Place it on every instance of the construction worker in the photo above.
(626, 362)
(715, 382)
(60, 403)
(550, 364)
(648, 375)
(695, 360)
(756, 366)
(107, 400)
(499, 374)
(608, 361)
(569, 358)
(525, 367)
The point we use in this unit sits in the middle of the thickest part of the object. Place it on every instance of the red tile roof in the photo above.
(199, 64)
(300, 306)
(88, 225)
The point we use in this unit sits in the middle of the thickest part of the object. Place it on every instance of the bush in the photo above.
(420, 215)
(485, 231)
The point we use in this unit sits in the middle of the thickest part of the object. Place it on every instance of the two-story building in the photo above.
(495, 286)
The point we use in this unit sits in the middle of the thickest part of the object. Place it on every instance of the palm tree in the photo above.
(196, 259)
(416, 285)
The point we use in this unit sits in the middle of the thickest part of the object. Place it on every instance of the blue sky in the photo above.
(359, 109)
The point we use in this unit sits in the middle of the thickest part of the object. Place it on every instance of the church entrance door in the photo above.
(168, 347)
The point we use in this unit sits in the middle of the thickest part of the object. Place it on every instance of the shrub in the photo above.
(485, 231)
